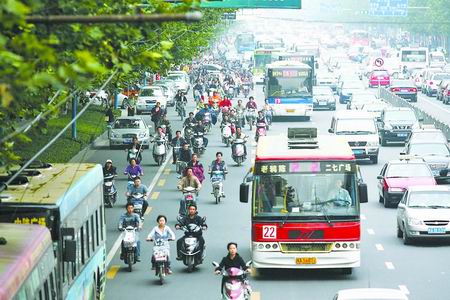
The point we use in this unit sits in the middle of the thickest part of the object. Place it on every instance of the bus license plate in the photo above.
(436, 230)
(306, 260)
(290, 110)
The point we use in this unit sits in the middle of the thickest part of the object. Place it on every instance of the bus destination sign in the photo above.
(304, 167)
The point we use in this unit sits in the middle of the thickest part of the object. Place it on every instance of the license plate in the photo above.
(127, 141)
(404, 91)
(306, 260)
(402, 134)
(436, 230)
(290, 110)
(323, 103)
(358, 151)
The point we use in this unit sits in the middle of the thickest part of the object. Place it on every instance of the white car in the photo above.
(125, 128)
(370, 294)
(181, 79)
(148, 97)
(323, 98)
(357, 100)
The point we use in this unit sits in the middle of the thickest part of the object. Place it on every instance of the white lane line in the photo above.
(434, 104)
(152, 185)
(404, 289)
(379, 247)
(370, 231)
(363, 217)
(389, 265)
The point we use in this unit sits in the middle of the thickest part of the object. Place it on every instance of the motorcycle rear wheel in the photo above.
(161, 275)
(130, 260)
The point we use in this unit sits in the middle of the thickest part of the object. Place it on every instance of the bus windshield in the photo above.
(414, 56)
(308, 196)
(290, 83)
(261, 60)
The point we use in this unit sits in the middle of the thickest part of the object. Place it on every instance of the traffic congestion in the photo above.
(284, 162)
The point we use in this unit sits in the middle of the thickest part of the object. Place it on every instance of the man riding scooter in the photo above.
(129, 218)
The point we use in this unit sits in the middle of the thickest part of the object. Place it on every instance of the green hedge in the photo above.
(89, 126)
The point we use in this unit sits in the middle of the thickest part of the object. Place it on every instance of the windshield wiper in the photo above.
(437, 206)
(285, 218)
(345, 132)
(323, 210)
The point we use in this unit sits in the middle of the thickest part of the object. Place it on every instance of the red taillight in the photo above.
(431, 82)
(385, 185)
(395, 90)
(448, 92)
(189, 197)
(414, 90)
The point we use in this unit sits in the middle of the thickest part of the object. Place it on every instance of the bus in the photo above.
(308, 49)
(305, 202)
(359, 38)
(244, 42)
(27, 263)
(261, 58)
(288, 88)
(68, 200)
(276, 43)
(413, 58)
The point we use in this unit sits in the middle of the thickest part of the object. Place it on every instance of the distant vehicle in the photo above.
(181, 79)
(424, 213)
(398, 175)
(441, 88)
(69, 202)
(374, 108)
(446, 95)
(404, 88)
(417, 77)
(431, 85)
(168, 90)
(125, 128)
(426, 75)
(413, 58)
(244, 42)
(370, 294)
(347, 88)
(436, 154)
(148, 97)
(323, 98)
(360, 131)
(262, 58)
(379, 78)
(359, 38)
(427, 135)
(327, 80)
(28, 265)
(358, 99)
(396, 123)
(212, 68)
(275, 43)
(437, 59)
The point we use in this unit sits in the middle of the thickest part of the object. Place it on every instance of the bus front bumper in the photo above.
(295, 110)
(330, 260)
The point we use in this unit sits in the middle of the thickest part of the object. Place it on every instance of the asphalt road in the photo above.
(422, 270)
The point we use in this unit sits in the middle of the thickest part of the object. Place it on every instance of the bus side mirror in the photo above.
(70, 251)
(244, 188)
(363, 197)
(330, 130)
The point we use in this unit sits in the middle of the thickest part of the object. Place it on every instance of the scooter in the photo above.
(138, 201)
(246, 90)
(226, 133)
(109, 191)
(217, 184)
(160, 258)
(198, 146)
(207, 121)
(238, 153)
(129, 242)
(134, 153)
(190, 249)
(130, 179)
(236, 285)
(159, 150)
(260, 130)
(188, 133)
(189, 197)
(251, 117)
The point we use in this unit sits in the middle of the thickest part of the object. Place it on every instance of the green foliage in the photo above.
(38, 60)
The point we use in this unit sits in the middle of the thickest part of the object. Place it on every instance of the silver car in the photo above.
(125, 128)
(424, 212)
(148, 97)
(323, 98)
(436, 154)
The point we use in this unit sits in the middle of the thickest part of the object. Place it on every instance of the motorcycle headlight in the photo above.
(413, 221)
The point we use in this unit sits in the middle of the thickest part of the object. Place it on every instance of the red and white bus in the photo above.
(305, 198)
(360, 38)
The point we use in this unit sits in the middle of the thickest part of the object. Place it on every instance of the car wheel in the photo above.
(382, 141)
(399, 232)
(138, 112)
(386, 201)
(380, 199)
(374, 159)
(405, 237)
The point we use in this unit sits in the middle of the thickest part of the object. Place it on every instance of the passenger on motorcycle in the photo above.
(129, 218)
(161, 232)
(138, 188)
(197, 167)
(134, 169)
(191, 218)
(177, 143)
(238, 135)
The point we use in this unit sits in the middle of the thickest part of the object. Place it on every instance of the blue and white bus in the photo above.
(68, 200)
(288, 88)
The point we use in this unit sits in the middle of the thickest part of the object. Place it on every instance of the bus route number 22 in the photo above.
(269, 232)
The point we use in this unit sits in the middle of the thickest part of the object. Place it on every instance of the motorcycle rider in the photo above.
(238, 135)
(163, 232)
(199, 128)
(157, 113)
(138, 147)
(129, 218)
(134, 169)
(251, 104)
(191, 218)
(261, 118)
(268, 111)
(197, 167)
(109, 169)
(177, 142)
(240, 110)
(180, 98)
(218, 165)
(166, 122)
(138, 188)
(190, 121)
(232, 260)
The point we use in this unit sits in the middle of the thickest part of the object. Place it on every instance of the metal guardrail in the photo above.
(395, 100)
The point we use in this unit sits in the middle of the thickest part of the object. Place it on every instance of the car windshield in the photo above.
(403, 115)
(408, 170)
(322, 92)
(175, 77)
(429, 149)
(309, 196)
(380, 73)
(428, 136)
(127, 123)
(431, 199)
(441, 76)
(356, 126)
(150, 92)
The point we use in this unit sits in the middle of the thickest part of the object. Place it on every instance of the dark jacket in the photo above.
(197, 220)
(174, 141)
(185, 155)
(227, 263)
(112, 171)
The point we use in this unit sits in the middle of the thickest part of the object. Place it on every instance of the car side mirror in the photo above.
(330, 130)
(380, 177)
(244, 189)
(362, 190)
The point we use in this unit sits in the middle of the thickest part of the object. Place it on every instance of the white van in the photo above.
(360, 130)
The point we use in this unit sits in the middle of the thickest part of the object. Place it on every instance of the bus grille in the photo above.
(306, 247)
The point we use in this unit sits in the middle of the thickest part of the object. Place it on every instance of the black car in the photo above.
(404, 88)
(395, 124)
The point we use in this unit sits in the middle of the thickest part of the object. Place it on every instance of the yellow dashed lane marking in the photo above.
(161, 182)
(148, 211)
(112, 272)
(154, 195)
(167, 171)
(255, 296)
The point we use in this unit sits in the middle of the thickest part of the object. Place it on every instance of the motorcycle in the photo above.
(198, 146)
(207, 121)
(191, 253)
(189, 197)
(226, 133)
(251, 117)
(138, 201)
(246, 90)
(236, 285)
(181, 110)
(188, 133)
(217, 184)
(238, 153)
(129, 242)
(260, 130)
(240, 118)
(130, 179)
(109, 190)
(159, 150)
(160, 257)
